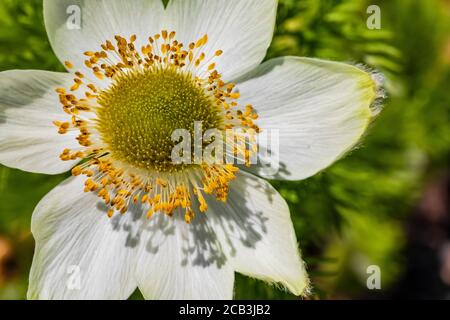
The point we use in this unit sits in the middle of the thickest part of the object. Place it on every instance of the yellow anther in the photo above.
(75, 87)
(68, 64)
(109, 45)
(161, 182)
(189, 216)
(248, 110)
(202, 41)
(235, 95)
(99, 75)
(92, 87)
(76, 171)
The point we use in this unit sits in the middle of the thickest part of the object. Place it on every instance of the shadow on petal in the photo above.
(200, 245)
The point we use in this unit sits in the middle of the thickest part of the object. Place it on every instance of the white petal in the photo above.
(320, 108)
(243, 29)
(180, 261)
(255, 228)
(28, 106)
(101, 20)
(80, 253)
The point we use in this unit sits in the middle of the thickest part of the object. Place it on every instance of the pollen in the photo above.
(125, 111)
(139, 113)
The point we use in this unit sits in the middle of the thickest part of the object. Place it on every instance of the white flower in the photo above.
(129, 217)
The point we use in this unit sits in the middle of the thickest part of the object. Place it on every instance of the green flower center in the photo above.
(140, 111)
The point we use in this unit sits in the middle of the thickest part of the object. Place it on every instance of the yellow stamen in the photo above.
(68, 64)
(121, 183)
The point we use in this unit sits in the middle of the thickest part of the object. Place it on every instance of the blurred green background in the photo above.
(385, 204)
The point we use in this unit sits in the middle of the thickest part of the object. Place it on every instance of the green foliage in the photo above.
(354, 211)
(23, 38)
